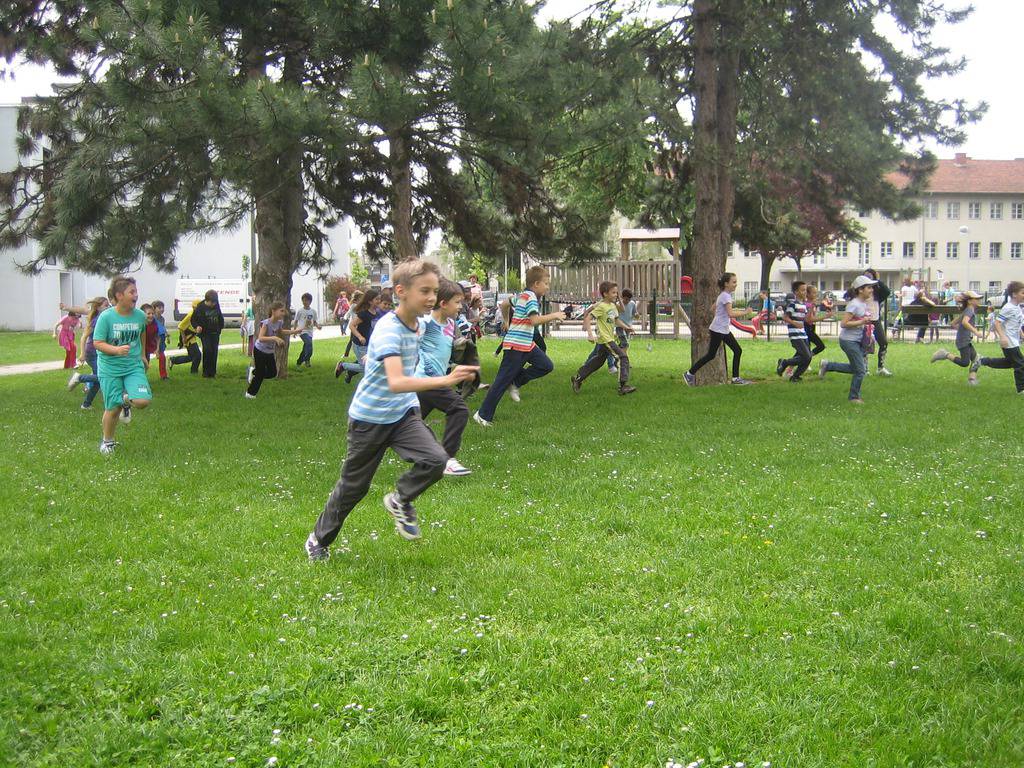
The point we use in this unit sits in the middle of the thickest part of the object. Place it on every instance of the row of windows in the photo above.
(931, 250)
(752, 287)
(974, 208)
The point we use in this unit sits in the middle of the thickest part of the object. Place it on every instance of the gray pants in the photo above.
(409, 438)
(601, 353)
(451, 404)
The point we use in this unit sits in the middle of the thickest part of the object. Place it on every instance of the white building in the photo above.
(971, 235)
(30, 302)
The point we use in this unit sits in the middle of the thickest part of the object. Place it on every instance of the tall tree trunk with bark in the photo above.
(715, 76)
(401, 196)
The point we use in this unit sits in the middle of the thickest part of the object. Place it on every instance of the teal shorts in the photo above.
(136, 384)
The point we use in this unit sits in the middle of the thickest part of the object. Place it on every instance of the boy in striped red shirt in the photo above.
(522, 360)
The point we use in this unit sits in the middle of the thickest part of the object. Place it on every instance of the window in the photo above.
(1017, 210)
(818, 257)
(750, 288)
(954, 284)
(51, 261)
(995, 211)
(842, 249)
(775, 287)
(749, 254)
(908, 250)
(1015, 250)
(864, 250)
(931, 210)
(952, 250)
(995, 286)
(952, 210)
(930, 249)
(995, 250)
(863, 214)
(974, 250)
(975, 285)
(974, 210)
(886, 250)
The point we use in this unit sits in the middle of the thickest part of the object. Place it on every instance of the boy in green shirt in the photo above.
(119, 339)
(607, 316)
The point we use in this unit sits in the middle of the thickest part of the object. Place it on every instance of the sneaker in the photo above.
(125, 417)
(249, 397)
(76, 377)
(740, 381)
(483, 386)
(822, 369)
(455, 469)
(975, 366)
(405, 517)
(349, 375)
(481, 420)
(856, 401)
(249, 373)
(884, 372)
(626, 389)
(796, 380)
(107, 447)
(86, 407)
(339, 369)
(613, 370)
(780, 366)
(309, 364)
(973, 379)
(314, 550)
(513, 393)
(690, 379)
(940, 354)
(170, 363)
(576, 383)
(788, 373)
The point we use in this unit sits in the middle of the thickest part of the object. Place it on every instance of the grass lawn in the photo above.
(753, 574)
(29, 347)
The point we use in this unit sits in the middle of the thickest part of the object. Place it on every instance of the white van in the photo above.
(233, 296)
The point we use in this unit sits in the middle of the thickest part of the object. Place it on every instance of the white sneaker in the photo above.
(454, 469)
(822, 369)
(250, 372)
(107, 448)
(73, 381)
(125, 417)
(513, 393)
(940, 354)
(884, 372)
(481, 420)
(249, 397)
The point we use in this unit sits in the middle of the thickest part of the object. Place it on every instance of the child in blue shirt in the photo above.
(385, 412)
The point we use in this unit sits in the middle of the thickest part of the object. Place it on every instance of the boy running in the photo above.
(119, 339)
(606, 342)
(794, 315)
(384, 413)
(305, 321)
(519, 347)
(161, 331)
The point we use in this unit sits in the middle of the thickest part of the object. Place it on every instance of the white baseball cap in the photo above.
(860, 281)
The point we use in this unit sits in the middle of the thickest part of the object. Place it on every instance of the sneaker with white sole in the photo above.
(975, 366)
(107, 447)
(76, 377)
(125, 417)
(822, 369)
(576, 383)
(249, 373)
(972, 379)
(739, 381)
(481, 420)
(404, 515)
(314, 550)
(513, 393)
(455, 469)
(626, 389)
(884, 372)
(690, 379)
(940, 354)
(249, 396)
(613, 371)
(788, 373)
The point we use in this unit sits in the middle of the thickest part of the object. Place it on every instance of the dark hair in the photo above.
(72, 313)
(606, 285)
(144, 307)
(871, 273)
(1012, 287)
(119, 285)
(211, 295)
(851, 291)
(796, 285)
(307, 296)
(725, 279)
(366, 300)
(446, 291)
(626, 294)
(963, 300)
(158, 303)
(274, 306)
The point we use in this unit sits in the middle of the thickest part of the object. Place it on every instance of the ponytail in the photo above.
(725, 279)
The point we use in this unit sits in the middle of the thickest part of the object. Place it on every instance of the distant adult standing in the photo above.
(476, 290)
(208, 321)
(880, 293)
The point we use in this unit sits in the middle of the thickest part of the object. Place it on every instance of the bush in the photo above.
(334, 285)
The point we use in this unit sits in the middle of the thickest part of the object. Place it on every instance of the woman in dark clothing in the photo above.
(877, 313)
(208, 321)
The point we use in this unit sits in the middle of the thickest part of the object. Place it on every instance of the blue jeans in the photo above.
(623, 342)
(307, 348)
(517, 368)
(90, 381)
(857, 366)
(356, 367)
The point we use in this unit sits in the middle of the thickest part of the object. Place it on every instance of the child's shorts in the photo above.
(136, 384)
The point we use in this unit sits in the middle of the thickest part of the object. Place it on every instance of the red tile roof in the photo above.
(964, 175)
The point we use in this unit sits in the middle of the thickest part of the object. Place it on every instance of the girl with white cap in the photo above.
(851, 336)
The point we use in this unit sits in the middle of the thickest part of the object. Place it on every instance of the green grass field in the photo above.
(758, 574)
(29, 347)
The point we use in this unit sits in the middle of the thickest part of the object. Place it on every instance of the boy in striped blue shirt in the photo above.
(385, 412)
(522, 359)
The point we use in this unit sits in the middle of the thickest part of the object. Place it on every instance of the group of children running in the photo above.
(406, 359)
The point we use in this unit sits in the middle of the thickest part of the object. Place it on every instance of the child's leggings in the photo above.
(717, 339)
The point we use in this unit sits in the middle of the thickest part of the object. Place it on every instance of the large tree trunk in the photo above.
(401, 196)
(715, 75)
(767, 262)
(280, 217)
